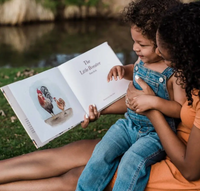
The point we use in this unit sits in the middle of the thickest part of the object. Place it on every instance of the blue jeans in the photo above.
(140, 147)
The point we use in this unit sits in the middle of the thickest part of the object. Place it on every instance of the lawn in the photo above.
(15, 141)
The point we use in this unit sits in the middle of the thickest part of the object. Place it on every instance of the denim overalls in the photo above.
(134, 138)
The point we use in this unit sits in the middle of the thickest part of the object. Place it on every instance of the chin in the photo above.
(143, 59)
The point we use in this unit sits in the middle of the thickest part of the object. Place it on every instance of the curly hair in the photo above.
(146, 15)
(179, 35)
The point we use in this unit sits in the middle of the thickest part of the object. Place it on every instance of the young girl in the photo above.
(135, 137)
(178, 42)
(58, 169)
(180, 48)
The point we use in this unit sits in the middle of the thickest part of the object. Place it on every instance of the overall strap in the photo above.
(168, 72)
(141, 63)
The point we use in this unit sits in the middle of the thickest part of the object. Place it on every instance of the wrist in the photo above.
(128, 71)
(154, 103)
(152, 114)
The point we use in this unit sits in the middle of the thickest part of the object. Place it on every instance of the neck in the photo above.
(158, 60)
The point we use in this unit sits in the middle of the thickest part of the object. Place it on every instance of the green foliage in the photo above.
(49, 4)
(92, 3)
(54, 4)
(74, 2)
(3, 1)
(81, 2)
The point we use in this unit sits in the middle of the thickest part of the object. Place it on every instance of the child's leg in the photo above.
(105, 158)
(134, 168)
(65, 182)
(47, 163)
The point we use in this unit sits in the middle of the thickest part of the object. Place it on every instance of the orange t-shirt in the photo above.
(164, 175)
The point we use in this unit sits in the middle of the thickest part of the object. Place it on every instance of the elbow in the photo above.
(191, 175)
(190, 170)
(191, 178)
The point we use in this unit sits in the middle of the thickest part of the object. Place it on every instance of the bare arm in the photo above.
(119, 107)
(171, 107)
(129, 71)
(119, 72)
(185, 158)
(167, 107)
(144, 99)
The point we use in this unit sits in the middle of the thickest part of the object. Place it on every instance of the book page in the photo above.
(87, 77)
(48, 104)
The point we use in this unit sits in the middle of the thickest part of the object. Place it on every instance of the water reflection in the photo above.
(50, 44)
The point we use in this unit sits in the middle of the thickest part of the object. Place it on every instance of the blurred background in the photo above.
(46, 33)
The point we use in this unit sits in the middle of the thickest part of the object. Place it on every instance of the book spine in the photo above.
(29, 126)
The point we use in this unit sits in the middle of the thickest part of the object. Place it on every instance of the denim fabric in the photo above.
(158, 83)
(131, 145)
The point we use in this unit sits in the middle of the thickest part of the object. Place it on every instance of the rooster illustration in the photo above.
(60, 103)
(45, 99)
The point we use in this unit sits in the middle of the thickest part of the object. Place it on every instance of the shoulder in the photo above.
(196, 108)
(196, 99)
(178, 90)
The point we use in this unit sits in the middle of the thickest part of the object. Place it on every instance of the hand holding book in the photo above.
(53, 102)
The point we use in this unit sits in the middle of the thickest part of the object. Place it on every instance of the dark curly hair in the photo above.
(179, 35)
(146, 15)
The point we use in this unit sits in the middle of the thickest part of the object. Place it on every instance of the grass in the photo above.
(15, 141)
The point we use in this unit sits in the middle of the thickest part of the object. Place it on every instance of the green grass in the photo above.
(15, 141)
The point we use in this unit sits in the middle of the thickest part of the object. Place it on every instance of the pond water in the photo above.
(51, 44)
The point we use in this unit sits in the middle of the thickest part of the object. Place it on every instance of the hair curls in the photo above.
(146, 15)
(179, 35)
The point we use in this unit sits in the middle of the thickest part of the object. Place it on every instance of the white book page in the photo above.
(87, 77)
(45, 125)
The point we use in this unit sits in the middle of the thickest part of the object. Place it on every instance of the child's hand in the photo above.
(133, 92)
(139, 100)
(116, 71)
(141, 103)
(93, 116)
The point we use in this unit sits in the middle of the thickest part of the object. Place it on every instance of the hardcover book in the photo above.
(54, 101)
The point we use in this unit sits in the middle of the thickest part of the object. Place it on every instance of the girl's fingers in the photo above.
(93, 115)
(122, 74)
(86, 121)
(119, 73)
(145, 87)
(95, 111)
(131, 87)
(115, 74)
(109, 77)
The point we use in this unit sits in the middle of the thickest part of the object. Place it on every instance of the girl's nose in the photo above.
(136, 48)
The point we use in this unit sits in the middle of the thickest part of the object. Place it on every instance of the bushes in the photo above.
(53, 5)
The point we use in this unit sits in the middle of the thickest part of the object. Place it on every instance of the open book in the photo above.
(54, 101)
